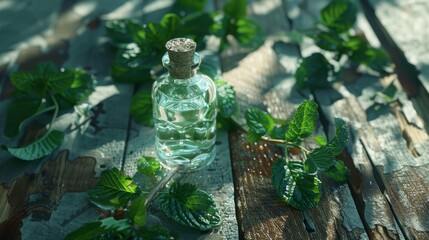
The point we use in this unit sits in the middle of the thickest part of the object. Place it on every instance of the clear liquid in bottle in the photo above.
(184, 111)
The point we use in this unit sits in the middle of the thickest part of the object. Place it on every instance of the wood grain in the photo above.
(38, 195)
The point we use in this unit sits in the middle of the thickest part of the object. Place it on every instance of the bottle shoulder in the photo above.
(198, 84)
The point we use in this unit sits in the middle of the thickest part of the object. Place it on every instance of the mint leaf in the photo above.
(21, 108)
(130, 65)
(252, 136)
(235, 9)
(320, 158)
(123, 31)
(339, 141)
(137, 211)
(190, 206)
(36, 81)
(279, 132)
(296, 187)
(338, 171)
(155, 232)
(378, 60)
(191, 27)
(188, 6)
(258, 121)
(249, 33)
(114, 190)
(96, 230)
(339, 15)
(320, 140)
(45, 145)
(386, 96)
(82, 85)
(303, 122)
(330, 41)
(226, 101)
(59, 82)
(148, 166)
(171, 23)
(141, 108)
(313, 72)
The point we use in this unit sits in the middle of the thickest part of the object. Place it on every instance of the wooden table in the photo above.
(386, 197)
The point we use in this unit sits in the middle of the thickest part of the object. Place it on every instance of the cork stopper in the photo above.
(181, 55)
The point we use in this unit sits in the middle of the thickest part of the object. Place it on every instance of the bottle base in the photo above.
(198, 162)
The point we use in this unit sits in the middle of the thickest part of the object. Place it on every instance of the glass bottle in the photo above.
(184, 109)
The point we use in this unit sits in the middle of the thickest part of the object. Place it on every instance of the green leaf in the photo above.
(330, 41)
(82, 85)
(45, 74)
(313, 72)
(296, 187)
(148, 166)
(211, 69)
(339, 141)
(189, 6)
(339, 15)
(171, 23)
(320, 140)
(45, 145)
(259, 121)
(378, 60)
(279, 132)
(28, 82)
(338, 171)
(190, 206)
(59, 82)
(386, 96)
(320, 158)
(141, 108)
(114, 190)
(303, 122)
(226, 101)
(235, 9)
(191, 27)
(249, 33)
(95, 230)
(251, 136)
(123, 31)
(131, 66)
(21, 108)
(137, 211)
(155, 232)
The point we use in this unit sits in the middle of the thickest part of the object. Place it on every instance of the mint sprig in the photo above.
(334, 35)
(120, 193)
(297, 182)
(114, 190)
(39, 92)
(191, 207)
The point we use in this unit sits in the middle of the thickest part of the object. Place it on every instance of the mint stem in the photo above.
(155, 191)
(57, 108)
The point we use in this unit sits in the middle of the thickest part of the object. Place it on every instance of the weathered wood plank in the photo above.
(373, 208)
(54, 208)
(396, 170)
(399, 25)
(264, 78)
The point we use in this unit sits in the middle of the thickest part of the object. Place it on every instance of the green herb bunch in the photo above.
(40, 93)
(295, 176)
(130, 200)
(340, 47)
(139, 47)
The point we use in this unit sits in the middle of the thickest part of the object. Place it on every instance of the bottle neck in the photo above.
(182, 70)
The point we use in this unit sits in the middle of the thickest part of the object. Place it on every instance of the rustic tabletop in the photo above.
(385, 197)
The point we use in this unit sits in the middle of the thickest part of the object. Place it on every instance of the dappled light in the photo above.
(311, 117)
